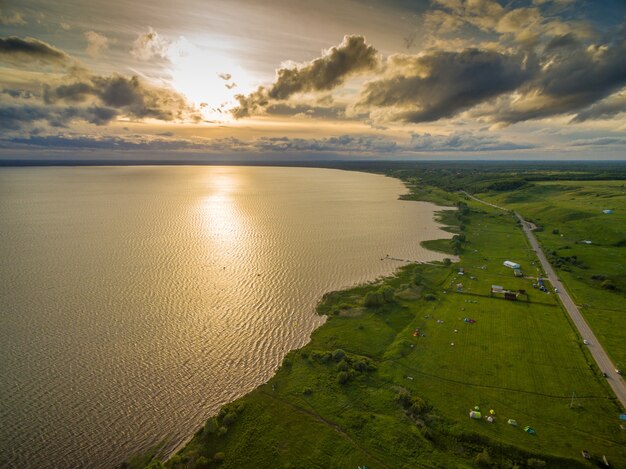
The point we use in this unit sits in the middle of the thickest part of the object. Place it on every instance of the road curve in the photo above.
(595, 347)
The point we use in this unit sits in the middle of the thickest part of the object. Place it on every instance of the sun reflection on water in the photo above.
(221, 216)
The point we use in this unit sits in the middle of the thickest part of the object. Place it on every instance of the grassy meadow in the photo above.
(570, 214)
(368, 391)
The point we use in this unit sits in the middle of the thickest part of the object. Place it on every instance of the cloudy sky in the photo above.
(313, 79)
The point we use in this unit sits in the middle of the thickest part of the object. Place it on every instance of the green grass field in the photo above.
(366, 392)
(570, 212)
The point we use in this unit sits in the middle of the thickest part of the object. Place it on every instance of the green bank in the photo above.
(390, 379)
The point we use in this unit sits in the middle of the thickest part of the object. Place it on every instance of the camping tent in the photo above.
(512, 422)
(474, 414)
(512, 265)
(529, 430)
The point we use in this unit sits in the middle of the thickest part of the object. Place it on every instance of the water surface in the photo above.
(134, 301)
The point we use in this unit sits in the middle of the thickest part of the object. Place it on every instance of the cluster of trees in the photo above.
(379, 297)
(564, 262)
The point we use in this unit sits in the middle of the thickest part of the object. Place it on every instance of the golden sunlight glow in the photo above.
(208, 79)
(221, 219)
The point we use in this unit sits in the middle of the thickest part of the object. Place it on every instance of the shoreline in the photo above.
(438, 211)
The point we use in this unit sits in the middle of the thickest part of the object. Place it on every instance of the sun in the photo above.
(207, 77)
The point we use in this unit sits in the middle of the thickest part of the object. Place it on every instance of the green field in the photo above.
(366, 391)
(571, 212)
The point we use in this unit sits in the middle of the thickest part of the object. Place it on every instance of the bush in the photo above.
(418, 406)
(229, 419)
(556, 231)
(387, 292)
(155, 465)
(202, 462)
(483, 459)
(343, 377)
(430, 297)
(447, 261)
(343, 366)
(339, 355)
(219, 457)
(307, 391)
(210, 427)
(287, 363)
(608, 285)
(417, 278)
(533, 462)
(373, 299)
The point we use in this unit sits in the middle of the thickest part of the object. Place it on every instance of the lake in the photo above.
(134, 301)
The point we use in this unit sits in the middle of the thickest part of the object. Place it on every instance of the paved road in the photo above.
(595, 347)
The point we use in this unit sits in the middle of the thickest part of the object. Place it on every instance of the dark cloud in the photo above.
(103, 143)
(604, 109)
(16, 117)
(572, 76)
(16, 50)
(330, 70)
(600, 141)
(305, 110)
(441, 84)
(461, 142)
(359, 144)
(130, 96)
(339, 144)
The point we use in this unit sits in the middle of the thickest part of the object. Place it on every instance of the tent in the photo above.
(491, 419)
(529, 430)
(511, 265)
(512, 422)
(475, 415)
(492, 412)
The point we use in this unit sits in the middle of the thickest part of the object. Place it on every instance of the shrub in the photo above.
(307, 391)
(373, 299)
(155, 465)
(447, 261)
(483, 459)
(608, 285)
(343, 377)
(556, 231)
(210, 427)
(387, 294)
(430, 297)
(287, 362)
(202, 462)
(418, 406)
(533, 462)
(339, 355)
(219, 457)
(417, 278)
(343, 366)
(229, 419)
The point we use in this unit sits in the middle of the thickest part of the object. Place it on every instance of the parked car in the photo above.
(586, 342)
(618, 371)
